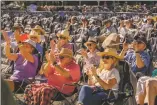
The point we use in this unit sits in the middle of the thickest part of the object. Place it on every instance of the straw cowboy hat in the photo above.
(64, 33)
(36, 34)
(113, 40)
(37, 27)
(110, 52)
(91, 40)
(66, 52)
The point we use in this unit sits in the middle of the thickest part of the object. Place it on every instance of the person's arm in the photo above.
(51, 60)
(124, 50)
(105, 84)
(139, 61)
(17, 35)
(10, 55)
(62, 71)
(27, 56)
(5, 35)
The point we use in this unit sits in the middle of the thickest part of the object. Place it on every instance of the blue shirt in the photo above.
(39, 48)
(131, 58)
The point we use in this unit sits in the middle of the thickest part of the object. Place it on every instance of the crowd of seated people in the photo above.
(102, 47)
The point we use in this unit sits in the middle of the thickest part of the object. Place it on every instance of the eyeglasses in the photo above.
(61, 37)
(107, 57)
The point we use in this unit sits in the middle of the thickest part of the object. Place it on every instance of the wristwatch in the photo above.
(97, 76)
(137, 52)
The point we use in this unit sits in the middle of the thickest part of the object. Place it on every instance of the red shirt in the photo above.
(57, 80)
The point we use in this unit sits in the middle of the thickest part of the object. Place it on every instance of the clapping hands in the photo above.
(50, 56)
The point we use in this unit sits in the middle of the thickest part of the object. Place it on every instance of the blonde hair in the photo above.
(101, 65)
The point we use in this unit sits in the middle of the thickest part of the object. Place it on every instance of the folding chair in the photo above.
(60, 96)
(125, 90)
(25, 82)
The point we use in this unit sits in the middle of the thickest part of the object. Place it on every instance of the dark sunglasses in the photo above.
(61, 57)
(89, 45)
(33, 37)
(61, 37)
(106, 57)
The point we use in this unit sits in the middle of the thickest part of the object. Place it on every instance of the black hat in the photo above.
(141, 38)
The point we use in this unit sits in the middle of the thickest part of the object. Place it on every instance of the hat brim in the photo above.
(68, 37)
(41, 30)
(60, 54)
(109, 53)
(38, 36)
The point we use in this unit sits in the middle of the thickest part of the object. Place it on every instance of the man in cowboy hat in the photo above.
(63, 40)
(65, 71)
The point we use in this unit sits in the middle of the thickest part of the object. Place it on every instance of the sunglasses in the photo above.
(107, 57)
(61, 37)
(89, 45)
(62, 57)
(33, 37)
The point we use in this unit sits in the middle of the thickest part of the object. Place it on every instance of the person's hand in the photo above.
(47, 56)
(5, 36)
(93, 70)
(89, 72)
(83, 52)
(60, 44)
(135, 46)
(17, 32)
(125, 46)
(52, 44)
(50, 57)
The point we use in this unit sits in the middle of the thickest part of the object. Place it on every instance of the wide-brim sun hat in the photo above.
(34, 33)
(37, 27)
(149, 18)
(64, 33)
(110, 52)
(31, 42)
(66, 52)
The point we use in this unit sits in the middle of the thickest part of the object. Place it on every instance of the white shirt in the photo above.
(107, 75)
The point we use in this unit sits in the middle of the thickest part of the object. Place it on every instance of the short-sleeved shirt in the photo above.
(24, 69)
(57, 80)
(131, 58)
(110, 74)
